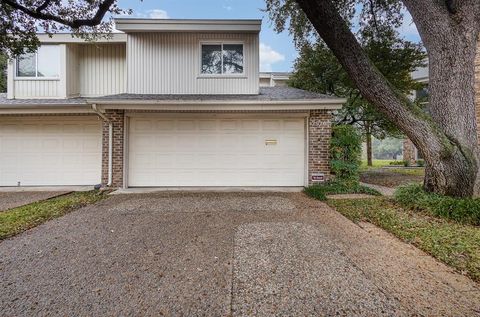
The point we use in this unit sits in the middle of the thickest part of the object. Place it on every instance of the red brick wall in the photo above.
(319, 132)
(117, 118)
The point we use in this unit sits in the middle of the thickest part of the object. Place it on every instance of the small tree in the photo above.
(345, 150)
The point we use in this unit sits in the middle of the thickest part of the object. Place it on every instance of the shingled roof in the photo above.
(266, 94)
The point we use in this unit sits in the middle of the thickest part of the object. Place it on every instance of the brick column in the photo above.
(117, 118)
(319, 133)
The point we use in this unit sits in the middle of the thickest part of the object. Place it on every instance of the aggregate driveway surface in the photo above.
(221, 254)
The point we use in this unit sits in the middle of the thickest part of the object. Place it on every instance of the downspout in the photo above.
(110, 142)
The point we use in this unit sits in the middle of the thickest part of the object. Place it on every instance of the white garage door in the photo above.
(216, 152)
(37, 151)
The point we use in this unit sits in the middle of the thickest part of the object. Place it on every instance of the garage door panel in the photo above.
(37, 151)
(216, 152)
(250, 125)
(186, 142)
(207, 125)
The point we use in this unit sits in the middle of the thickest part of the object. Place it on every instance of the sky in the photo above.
(277, 51)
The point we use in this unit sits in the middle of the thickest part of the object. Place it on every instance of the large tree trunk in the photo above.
(447, 140)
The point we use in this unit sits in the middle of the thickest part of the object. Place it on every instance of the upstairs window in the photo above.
(222, 59)
(42, 64)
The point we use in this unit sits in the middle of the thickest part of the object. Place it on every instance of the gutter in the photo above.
(110, 142)
(334, 103)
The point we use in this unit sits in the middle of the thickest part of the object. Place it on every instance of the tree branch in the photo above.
(371, 83)
(44, 5)
(74, 23)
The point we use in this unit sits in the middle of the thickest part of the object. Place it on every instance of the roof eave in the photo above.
(45, 108)
(172, 25)
(61, 38)
(219, 105)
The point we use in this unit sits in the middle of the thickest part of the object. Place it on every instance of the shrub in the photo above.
(461, 210)
(406, 163)
(345, 150)
(396, 163)
(321, 191)
(421, 163)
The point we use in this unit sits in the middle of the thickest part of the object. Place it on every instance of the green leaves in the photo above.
(22, 19)
(345, 150)
(461, 210)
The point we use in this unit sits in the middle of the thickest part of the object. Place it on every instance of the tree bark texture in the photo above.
(447, 139)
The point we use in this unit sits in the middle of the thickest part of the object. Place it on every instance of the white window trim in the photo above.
(16, 77)
(237, 75)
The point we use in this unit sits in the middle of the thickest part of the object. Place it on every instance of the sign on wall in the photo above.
(318, 177)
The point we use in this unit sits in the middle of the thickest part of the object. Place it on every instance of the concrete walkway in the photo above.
(385, 191)
(222, 254)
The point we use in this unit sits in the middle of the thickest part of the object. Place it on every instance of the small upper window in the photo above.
(43, 63)
(222, 59)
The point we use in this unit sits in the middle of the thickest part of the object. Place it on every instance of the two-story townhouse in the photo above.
(165, 103)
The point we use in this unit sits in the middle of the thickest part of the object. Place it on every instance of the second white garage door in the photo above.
(216, 152)
(46, 151)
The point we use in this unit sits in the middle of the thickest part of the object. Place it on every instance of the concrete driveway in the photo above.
(222, 254)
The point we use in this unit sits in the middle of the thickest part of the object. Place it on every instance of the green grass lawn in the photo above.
(375, 164)
(409, 171)
(16, 220)
(457, 245)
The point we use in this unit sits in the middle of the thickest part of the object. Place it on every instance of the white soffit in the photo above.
(175, 25)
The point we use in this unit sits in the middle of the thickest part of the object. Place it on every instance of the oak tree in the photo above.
(446, 136)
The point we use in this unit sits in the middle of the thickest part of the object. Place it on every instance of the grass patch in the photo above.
(321, 191)
(375, 164)
(455, 244)
(409, 171)
(461, 210)
(16, 220)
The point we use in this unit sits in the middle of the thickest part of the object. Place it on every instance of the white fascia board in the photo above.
(44, 108)
(175, 105)
(172, 25)
(68, 38)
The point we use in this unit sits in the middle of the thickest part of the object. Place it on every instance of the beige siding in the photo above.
(169, 63)
(102, 69)
(72, 67)
(265, 82)
(36, 88)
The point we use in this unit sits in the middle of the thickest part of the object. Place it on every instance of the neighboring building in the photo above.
(166, 103)
(410, 152)
(274, 79)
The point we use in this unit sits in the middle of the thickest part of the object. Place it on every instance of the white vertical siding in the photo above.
(36, 88)
(102, 69)
(72, 67)
(169, 63)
